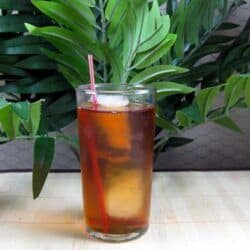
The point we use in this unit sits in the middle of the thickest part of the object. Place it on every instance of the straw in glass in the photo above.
(94, 155)
(92, 77)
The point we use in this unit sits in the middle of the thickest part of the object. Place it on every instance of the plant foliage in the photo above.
(18, 119)
(28, 74)
(162, 43)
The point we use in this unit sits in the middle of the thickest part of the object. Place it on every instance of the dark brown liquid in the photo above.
(116, 164)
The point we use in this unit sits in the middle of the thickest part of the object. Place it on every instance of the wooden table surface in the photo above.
(190, 210)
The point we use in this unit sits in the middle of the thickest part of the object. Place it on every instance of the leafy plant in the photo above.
(203, 109)
(18, 119)
(27, 73)
(137, 42)
(201, 45)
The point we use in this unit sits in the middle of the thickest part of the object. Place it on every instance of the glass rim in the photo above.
(123, 89)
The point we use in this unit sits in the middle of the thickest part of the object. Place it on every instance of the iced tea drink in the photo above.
(116, 142)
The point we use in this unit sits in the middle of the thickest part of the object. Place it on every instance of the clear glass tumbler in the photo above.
(116, 132)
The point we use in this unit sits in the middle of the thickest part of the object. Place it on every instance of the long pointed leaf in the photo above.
(66, 16)
(44, 150)
(9, 121)
(205, 99)
(146, 59)
(164, 89)
(22, 109)
(155, 72)
(228, 123)
(234, 90)
(33, 123)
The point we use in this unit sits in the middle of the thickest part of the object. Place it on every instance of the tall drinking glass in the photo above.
(116, 149)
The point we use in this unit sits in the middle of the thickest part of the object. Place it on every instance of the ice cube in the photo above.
(124, 197)
(112, 101)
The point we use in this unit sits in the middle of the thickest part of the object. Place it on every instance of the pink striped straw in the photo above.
(92, 77)
(94, 153)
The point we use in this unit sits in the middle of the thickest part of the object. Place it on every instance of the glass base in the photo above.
(115, 237)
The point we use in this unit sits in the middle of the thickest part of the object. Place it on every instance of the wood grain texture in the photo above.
(190, 210)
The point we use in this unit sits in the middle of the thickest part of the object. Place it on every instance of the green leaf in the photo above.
(70, 75)
(9, 121)
(207, 20)
(183, 119)
(155, 72)
(236, 58)
(32, 124)
(35, 114)
(193, 25)
(154, 28)
(38, 62)
(12, 114)
(67, 40)
(147, 58)
(229, 66)
(80, 3)
(247, 93)
(22, 109)
(149, 26)
(44, 150)
(132, 29)
(72, 67)
(83, 8)
(197, 72)
(169, 6)
(155, 10)
(116, 64)
(115, 13)
(203, 51)
(164, 89)
(69, 60)
(193, 22)
(204, 100)
(178, 141)
(54, 32)
(10, 70)
(153, 40)
(178, 27)
(72, 64)
(219, 39)
(228, 26)
(22, 45)
(54, 83)
(228, 123)
(3, 102)
(189, 115)
(165, 124)
(65, 16)
(234, 90)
